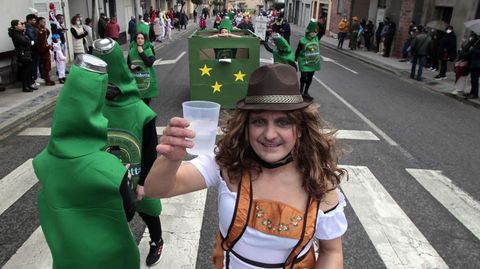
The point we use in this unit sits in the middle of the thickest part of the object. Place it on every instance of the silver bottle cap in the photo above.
(104, 45)
(91, 63)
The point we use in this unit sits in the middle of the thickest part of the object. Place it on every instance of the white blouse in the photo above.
(255, 245)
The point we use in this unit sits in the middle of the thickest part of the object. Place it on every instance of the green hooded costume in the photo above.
(283, 53)
(80, 205)
(127, 115)
(225, 53)
(308, 51)
(143, 28)
(145, 76)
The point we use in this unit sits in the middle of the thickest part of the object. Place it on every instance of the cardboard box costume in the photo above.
(80, 205)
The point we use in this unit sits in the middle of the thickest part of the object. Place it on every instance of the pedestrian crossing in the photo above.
(397, 240)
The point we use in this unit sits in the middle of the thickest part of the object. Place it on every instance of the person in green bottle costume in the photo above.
(84, 201)
(132, 136)
(141, 57)
(308, 56)
(282, 53)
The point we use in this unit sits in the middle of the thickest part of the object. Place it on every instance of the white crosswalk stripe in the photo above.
(396, 238)
(341, 134)
(33, 254)
(458, 202)
(15, 184)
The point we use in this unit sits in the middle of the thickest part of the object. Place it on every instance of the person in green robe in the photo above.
(84, 202)
(132, 136)
(282, 53)
(225, 30)
(308, 56)
(140, 61)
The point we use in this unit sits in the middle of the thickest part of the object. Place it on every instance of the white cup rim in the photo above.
(191, 104)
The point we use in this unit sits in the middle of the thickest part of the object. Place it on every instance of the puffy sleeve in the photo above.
(333, 223)
(209, 169)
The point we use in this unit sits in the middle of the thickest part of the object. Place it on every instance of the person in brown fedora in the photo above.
(277, 177)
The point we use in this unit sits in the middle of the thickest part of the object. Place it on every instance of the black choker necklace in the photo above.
(285, 160)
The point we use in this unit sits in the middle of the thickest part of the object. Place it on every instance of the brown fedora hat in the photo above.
(274, 87)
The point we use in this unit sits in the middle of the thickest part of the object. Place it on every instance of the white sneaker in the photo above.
(36, 84)
(39, 80)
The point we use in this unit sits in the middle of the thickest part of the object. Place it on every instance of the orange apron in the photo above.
(272, 218)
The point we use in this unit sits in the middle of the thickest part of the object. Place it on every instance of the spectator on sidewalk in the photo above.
(378, 38)
(89, 38)
(368, 35)
(112, 29)
(246, 24)
(354, 30)
(343, 29)
(60, 58)
(44, 51)
(388, 34)
(462, 69)
(157, 29)
(322, 26)
(59, 30)
(195, 15)
(132, 28)
(420, 47)
(448, 51)
(102, 24)
(433, 53)
(183, 20)
(282, 27)
(32, 33)
(78, 36)
(406, 45)
(203, 23)
(474, 55)
(23, 51)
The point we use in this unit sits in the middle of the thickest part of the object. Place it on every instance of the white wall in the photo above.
(12, 10)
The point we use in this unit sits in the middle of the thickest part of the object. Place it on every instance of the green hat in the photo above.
(312, 26)
(226, 23)
(118, 72)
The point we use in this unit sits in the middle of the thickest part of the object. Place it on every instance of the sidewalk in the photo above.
(18, 109)
(400, 69)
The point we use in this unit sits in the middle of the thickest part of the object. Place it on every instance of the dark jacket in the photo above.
(421, 45)
(474, 55)
(21, 42)
(132, 27)
(246, 26)
(32, 33)
(448, 47)
(102, 24)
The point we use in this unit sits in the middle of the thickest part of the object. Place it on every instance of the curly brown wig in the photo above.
(315, 153)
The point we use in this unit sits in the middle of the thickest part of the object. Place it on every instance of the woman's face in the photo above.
(223, 31)
(271, 134)
(20, 26)
(140, 40)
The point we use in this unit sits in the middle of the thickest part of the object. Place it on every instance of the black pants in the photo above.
(443, 68)
(474, 74)
(305, 80)
(341, 38)
(387, 47)
(26, 72)
(34, 65)
(154, 226)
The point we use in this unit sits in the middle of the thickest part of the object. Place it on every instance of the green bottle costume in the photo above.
(126, 116)
(143, 28)
(145, 76)
(309, 56)
(283, 53)
(80, 205)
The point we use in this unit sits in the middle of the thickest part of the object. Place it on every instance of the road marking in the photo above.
(358, 113)
(182, 218)
(266, 61)
(459, 203)
(326, 59)
(165, 62)
(396, 238)
(15, 184)
(33, 254)
(341, 134)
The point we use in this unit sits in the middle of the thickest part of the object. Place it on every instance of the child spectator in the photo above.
(60, 58)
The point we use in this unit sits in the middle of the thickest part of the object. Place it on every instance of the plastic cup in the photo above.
(203, 117)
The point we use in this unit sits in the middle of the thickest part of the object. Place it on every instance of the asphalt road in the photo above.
(417, 129)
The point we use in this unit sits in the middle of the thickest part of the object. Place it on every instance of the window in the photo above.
(341, 7)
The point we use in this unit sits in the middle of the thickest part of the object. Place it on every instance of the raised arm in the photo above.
(169, 176)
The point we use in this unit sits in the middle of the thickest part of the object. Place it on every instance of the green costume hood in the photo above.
(226, 23)
(118, 72)
(145, 30)
(311, 27)
(79, 127)
(283, 53)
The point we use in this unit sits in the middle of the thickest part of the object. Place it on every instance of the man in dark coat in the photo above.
(389, 32)
(447, 51)
(132, 28)
(420, 46)
(32, 33)
(102, 24)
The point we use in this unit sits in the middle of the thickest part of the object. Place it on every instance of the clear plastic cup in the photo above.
(203, 117)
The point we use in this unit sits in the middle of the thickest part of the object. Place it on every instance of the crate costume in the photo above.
(81, 205)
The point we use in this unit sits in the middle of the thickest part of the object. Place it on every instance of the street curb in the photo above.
(25, 118)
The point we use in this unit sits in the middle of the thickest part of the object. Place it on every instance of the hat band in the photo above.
(274, 99)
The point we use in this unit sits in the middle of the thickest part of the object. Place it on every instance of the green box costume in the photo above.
(145, 76)
(127, 115)
(80, 206)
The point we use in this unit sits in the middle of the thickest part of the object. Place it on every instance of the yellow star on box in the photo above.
(216, 87)
(205, 70)
(239, 75)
